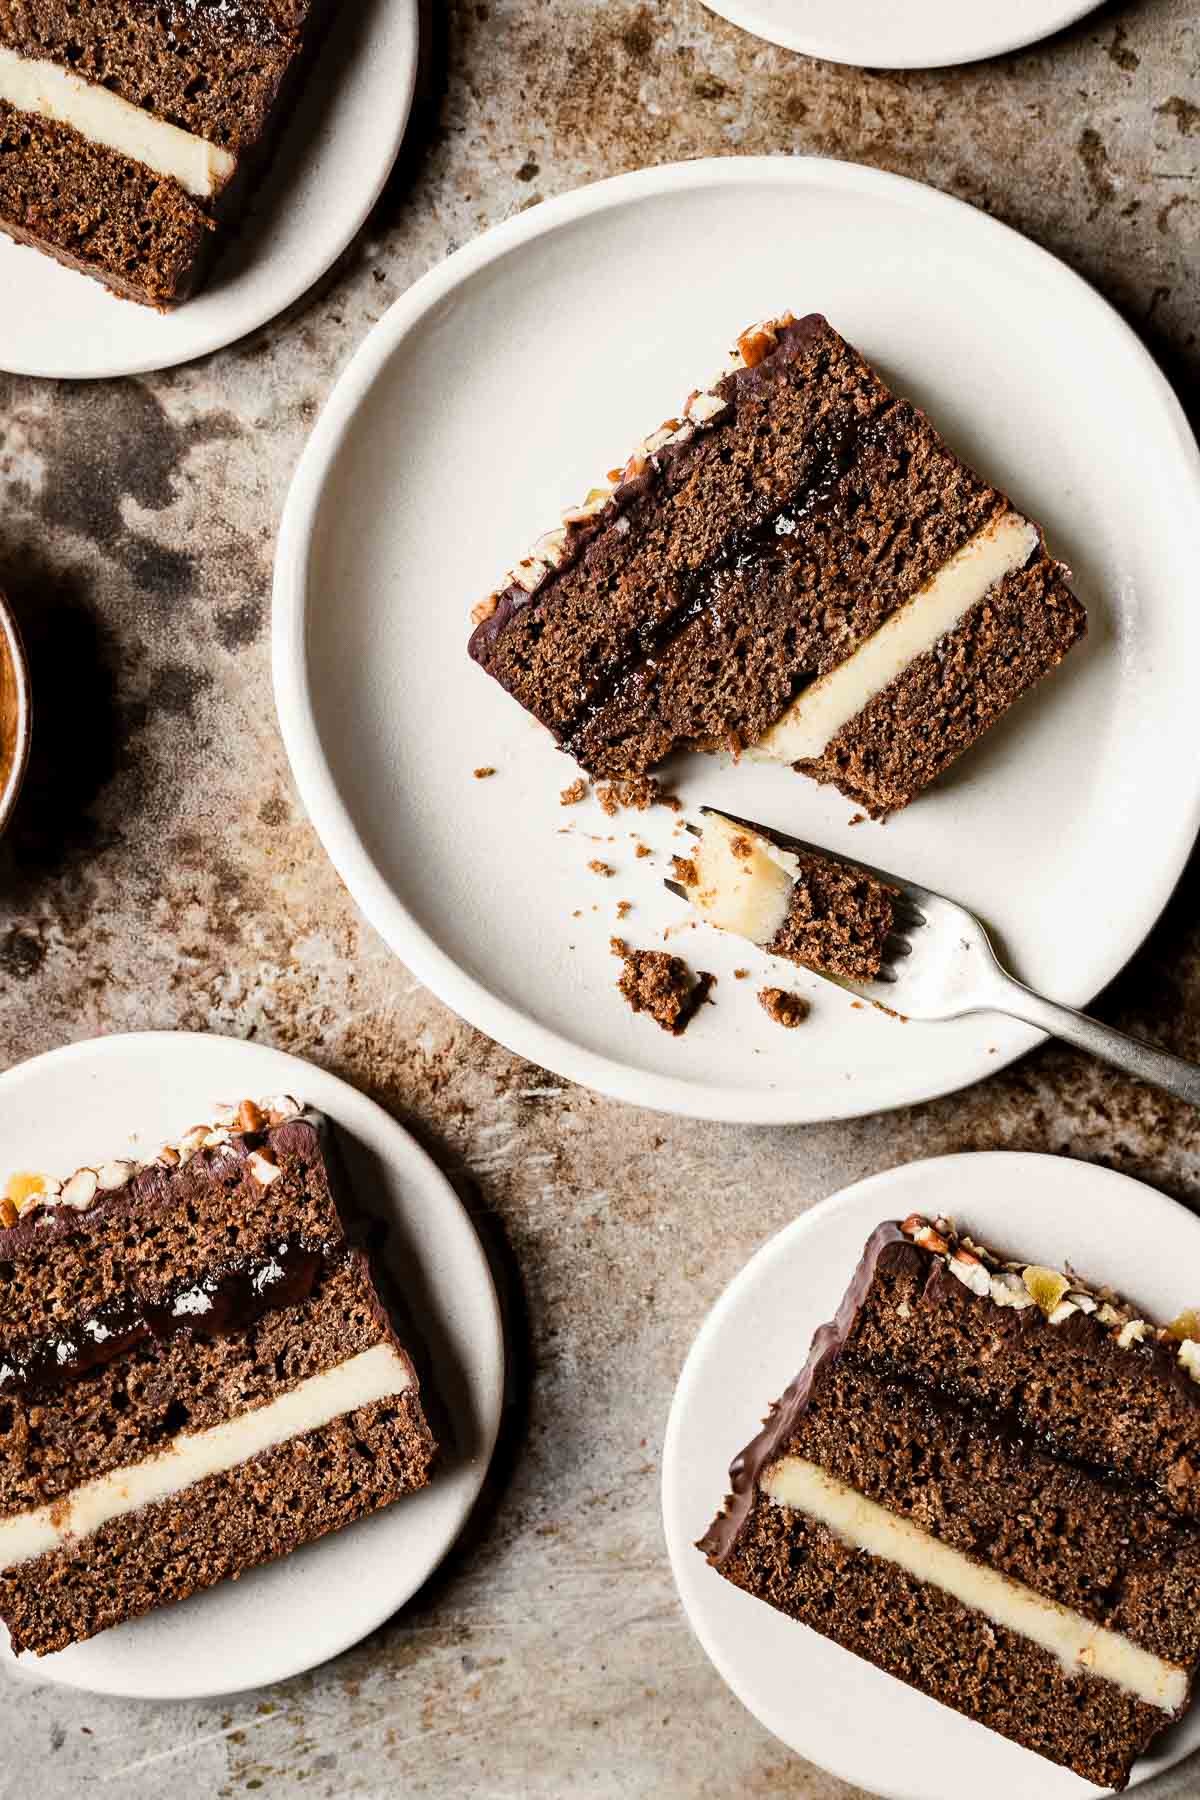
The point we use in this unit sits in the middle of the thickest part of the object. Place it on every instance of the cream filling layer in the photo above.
(375, 1374)
(817, 714)
(104, 118)
(1080, 1646)
(744, 882)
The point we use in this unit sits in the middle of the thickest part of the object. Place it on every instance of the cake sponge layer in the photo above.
(211, 70)
(89, 207)
(219, 1527)
(932, 1641)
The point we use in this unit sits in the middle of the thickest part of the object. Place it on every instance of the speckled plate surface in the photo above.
(325, 175)
(497, 391)
(920, 34)
(123, 1096)
(825, 1703)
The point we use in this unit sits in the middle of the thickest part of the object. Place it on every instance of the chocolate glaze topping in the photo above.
(229, 1298)
(827, 1344)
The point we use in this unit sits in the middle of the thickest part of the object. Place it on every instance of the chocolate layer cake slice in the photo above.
(986, 1481)
(129, 132)
(814, 910)
(197, 1374)
(798, 565)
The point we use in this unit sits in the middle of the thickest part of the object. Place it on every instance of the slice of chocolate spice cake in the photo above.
(813, 910)
(130, 132)
(197, 1374)
(986, 1481)
(797, 565)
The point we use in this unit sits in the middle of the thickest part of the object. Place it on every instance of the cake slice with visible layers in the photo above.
(986, 1481)
(798, 565)
(198, 1374)
(813, 910)
(130, 132)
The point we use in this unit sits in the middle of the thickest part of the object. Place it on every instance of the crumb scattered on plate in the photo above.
(571, 796)
(662, 985)
(600, 868)
(624, 908)
(638, 792)
(482, 774)
(788, 1010)
(740, 974)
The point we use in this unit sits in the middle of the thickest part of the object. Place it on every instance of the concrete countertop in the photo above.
(161, 873)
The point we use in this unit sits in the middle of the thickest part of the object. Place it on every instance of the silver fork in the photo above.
(939, 964)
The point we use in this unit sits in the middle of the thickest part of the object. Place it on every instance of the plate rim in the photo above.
(834, 48)
(490, 1395)
(294, 281)
(508, 1025)
(780, 1244)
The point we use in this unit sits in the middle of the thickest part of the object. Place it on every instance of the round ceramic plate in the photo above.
(497, 391)
(808, 1691)
(325, 175)
(59, 1111)
(922, 34)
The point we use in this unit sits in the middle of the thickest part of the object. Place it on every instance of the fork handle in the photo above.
(1131, 1054)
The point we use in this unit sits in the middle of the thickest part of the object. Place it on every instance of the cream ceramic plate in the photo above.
(326, 174)
(73, 1106)
(497, 391)
(809, 1692)
(920, 34)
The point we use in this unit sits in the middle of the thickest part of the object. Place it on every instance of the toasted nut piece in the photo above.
(702, 408)
(1047, 1286)
(80, 1190)
(929, 1239)
(282, 1107)
(1189, 1356)
(27, 1190)
(971, 1272)
(249, 1117)
(483, 609)
(1063, 1312)
(8, 1215)
(1131, 1333)
(1187, 1325)
(168, 1156)
(1007, 1289)
(262, 1168)
(192, 1140)
(913, 1224)
(114, 1174)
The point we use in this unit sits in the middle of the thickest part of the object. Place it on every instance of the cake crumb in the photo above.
(788, 1010)
(662, 985)
(741, 847)
(740, 974)
(859, 819)
(638, 792)
(600, 868)
(483, 773)
(644, 850)
(685, 871)
(624, 908)
(571, 796)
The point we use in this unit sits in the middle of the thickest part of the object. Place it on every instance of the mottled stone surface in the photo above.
(160, 873)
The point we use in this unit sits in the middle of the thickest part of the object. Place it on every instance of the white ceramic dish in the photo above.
(809, 1692)
(922, 34)
(70, 1107)
(498, 390)
(325, 176)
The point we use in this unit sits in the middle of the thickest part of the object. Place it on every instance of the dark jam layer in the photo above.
(747, 548)
(230, 1298)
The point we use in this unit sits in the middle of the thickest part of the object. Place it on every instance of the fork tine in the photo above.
(894, 945)
(677, 888)
(694, 829)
